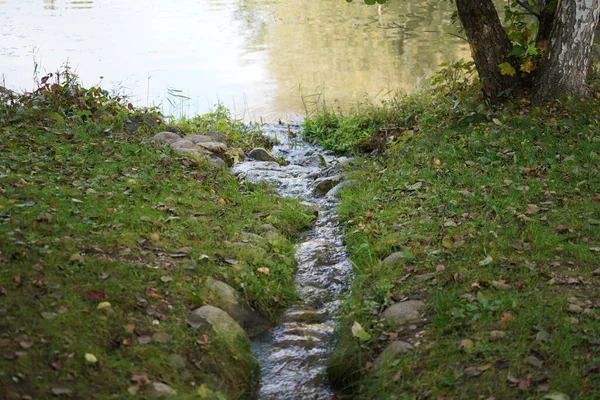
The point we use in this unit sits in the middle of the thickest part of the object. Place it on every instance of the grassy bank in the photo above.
(108, 241)
(496, 214)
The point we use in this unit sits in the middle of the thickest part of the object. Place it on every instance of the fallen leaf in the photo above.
(104, 305)
(501, 284)
(535, 362)
(556, 396)
(76, 259)
(359, 332)
(486, 261)
(532, 209)
(152, 294)
(60, 391)
(466, 345)
(506, 317)
(89, 357)
(264, 270)
(95, 295)
(472, 372)
(48, 315)
(144, 339)
(515, 244)
(166, 279)
(221, 201)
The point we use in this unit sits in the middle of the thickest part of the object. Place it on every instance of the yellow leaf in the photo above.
(264, 270)
(221, 201)
(89, 357)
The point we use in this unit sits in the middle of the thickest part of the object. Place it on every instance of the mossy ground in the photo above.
(497, 213)
(90, 214)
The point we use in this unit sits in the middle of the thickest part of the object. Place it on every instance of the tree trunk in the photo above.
(546, 21)
(564, 68)
(489, 45)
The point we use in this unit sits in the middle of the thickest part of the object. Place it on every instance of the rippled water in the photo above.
(293, 355)
(253, 55)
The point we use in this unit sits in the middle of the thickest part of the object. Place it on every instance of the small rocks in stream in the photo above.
(392, 351)
(315, 160)
(404, 312)
(158, 390)
(260, 154)
(220, 322)
(325, 184)
(166, 138)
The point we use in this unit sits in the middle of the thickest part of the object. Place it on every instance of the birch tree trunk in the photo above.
(489, 44)
(565, 63)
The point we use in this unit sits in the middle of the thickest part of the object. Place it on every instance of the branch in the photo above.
(525, 5)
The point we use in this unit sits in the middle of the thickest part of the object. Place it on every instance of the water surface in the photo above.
(259, 57)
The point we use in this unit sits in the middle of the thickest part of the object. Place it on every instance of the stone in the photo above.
(214, 147)
(401, 313)
(315, 160)
(225, 297)
(216, 136)
(158, 390)
(392, 351)
(198, 139)
(166, 138)
(216, 162)
(177, 361)
(181, 150)
(183, 144)
(575, 308)
(218, 320)
(325, 184)
(260, 154)
(270, 235)
(268, 228)
(337, 189)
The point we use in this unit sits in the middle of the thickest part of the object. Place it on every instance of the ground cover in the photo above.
(107, 242)
(491, 216)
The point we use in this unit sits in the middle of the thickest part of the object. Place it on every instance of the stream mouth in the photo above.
(293, 355)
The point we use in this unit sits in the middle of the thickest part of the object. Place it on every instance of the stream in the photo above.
(293, 354)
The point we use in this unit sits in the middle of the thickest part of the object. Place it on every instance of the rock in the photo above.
(394, 258)
(315, 160)
(302, 314)
(158, 390)
(324, 185)
(392, 351)
(177, 361)
(216, 136)
(270, 235)
(198, 139)
(401, 313)
(535, 362)
(268, 228)
(220, 322)
(260, 154)
(145, 120)
(184, 150)
(225, 297)
(183, 144)
(337, 189)
(575, 308)
(214, 147)
(166, 138)
(216, 162)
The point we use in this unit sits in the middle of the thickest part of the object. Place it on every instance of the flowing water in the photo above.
(293, 354)
(259, 57)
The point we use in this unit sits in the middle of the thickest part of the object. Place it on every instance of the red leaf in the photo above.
(130, 106)
(95, 295)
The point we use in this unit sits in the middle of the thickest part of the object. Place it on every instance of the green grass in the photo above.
(463, 182)
(86, 206)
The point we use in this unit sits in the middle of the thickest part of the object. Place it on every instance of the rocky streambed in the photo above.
(293, 354)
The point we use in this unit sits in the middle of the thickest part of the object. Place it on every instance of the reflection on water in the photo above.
(256, 56)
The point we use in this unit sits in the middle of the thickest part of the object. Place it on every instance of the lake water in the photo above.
(261, 58)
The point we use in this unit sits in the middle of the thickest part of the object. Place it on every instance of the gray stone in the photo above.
(198, 139)
(216, 136)
(226, 298)
(401, 313)
(183, 144)
(158, 390)
(260, 154)
(216, 162)
(214, 147)
(166, 138)
(315, 160)
(268, 228)
(337, 189)
(182, 150)
(392, 351)
(325, 184)
(220, 322)
(176, 360)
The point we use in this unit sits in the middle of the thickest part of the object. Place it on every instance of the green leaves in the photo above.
(370, 2)
(507, 69)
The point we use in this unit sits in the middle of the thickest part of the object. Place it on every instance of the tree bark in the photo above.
(546, 21)
(564, 67)
(489, 45)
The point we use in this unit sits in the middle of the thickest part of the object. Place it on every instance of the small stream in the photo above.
(293, 354)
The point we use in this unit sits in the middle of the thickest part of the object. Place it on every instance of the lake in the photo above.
(264, 59)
